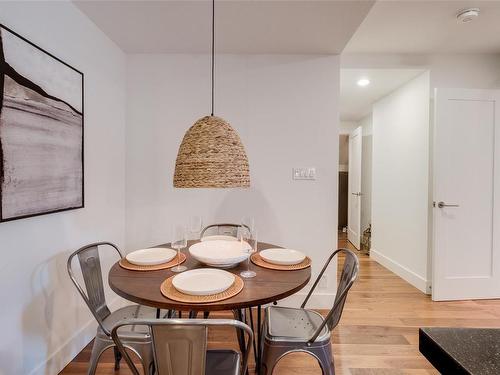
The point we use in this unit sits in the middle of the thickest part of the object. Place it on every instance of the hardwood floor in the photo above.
(378, 333)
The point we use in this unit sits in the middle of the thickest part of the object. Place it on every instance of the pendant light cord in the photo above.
(213, 54)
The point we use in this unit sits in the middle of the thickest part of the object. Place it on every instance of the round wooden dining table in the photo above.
(268, 286)
(143, 287)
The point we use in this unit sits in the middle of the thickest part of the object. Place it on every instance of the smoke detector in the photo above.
(467, 15)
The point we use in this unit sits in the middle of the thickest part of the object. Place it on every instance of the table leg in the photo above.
(241, 338)
(255, 330)
(258, 364)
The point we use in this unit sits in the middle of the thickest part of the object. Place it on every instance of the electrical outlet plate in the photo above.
(304, 173)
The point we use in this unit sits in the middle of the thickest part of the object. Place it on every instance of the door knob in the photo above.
(442, 204)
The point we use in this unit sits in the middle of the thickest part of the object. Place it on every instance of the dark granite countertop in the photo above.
(458, 351)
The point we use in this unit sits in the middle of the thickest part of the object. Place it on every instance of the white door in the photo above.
(354, 200)
(466, 213)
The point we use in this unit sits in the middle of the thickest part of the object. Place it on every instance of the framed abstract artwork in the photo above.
(41, 131)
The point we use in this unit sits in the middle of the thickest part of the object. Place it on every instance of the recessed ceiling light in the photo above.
(467, 15)
(363, 82)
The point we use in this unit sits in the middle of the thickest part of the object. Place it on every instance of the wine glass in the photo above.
(195, 226)
(179, 241)
(249, 223)
(250, 238)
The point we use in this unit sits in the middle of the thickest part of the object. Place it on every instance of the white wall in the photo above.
(400, 181)
(42, 316)
(285, 110)
(346, 127)
(366, 171)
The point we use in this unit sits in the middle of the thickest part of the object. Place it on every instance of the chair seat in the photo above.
(294, 324)
(222, 362)
(129, 332)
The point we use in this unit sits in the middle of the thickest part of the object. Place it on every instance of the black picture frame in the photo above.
(2, 74)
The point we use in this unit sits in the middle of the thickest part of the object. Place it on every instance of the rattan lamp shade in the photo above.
(211, 155)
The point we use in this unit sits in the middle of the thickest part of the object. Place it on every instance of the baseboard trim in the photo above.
(408, 275)
(60, 358)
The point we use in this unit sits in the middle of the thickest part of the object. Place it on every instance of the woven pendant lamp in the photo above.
(211, 154)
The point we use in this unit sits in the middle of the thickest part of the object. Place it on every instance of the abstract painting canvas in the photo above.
(41, 131)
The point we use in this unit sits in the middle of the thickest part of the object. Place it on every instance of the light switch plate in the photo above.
(304, 173)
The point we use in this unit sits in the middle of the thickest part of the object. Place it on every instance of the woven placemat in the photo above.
(257, 259)
(124, 263)
(169, 291)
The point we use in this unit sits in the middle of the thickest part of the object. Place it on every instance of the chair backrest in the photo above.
(223, 229)
(180, 345)
(349, 274)
(90, 266)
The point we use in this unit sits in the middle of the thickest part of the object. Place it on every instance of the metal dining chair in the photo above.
(287, 330)
(135, 338)
(222, 229)
(180, 346)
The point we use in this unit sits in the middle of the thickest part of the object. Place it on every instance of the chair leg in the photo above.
(97, 349)
(260, 345)
(118, 357)
(146, 354)
(271, 354)
(270, 357)
(325, 358)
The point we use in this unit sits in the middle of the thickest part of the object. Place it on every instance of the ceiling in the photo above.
(356, 102)
(426, 27)
(245, 26)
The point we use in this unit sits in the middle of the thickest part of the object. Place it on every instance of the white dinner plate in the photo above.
(220, 253)
(284, 257)
(203, 281)
(221, 237)
(151, 257)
